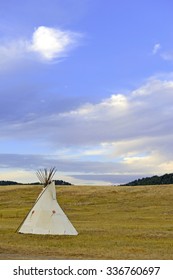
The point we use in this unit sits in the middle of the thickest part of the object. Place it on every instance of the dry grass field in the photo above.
(113, 223)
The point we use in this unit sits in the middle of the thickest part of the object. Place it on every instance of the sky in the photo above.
(86, 86)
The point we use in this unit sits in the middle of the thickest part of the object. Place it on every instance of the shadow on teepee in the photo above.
(46, 216)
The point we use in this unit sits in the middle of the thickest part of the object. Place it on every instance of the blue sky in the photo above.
(86, 86)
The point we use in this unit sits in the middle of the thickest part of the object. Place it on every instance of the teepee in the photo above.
(46, 216)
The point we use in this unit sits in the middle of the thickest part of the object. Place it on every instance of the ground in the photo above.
(114, 222)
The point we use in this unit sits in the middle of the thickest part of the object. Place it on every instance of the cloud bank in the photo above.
(124, 134)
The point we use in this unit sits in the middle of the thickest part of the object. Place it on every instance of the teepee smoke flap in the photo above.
(45, 176)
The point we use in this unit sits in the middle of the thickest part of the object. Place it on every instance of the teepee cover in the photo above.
(46, 216)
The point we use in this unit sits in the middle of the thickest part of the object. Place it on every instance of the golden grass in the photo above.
(113, 223)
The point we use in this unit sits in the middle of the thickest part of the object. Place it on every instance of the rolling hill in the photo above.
(154, 180)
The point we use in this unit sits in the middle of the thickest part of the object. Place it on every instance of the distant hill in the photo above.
(7, 183)
(154, 180)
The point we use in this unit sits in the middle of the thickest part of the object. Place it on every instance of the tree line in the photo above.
(154, 180)
(8, 183)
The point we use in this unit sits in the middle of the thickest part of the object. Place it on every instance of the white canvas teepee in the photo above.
(46, 216)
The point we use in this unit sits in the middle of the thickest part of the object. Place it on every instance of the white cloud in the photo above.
(156, 48)
(52, 43)
(117, 104)
(48, 43)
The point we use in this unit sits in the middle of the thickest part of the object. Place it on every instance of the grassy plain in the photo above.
(114, 222)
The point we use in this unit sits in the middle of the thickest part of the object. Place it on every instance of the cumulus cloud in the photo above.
(52, 43)
(48, 43)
